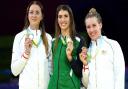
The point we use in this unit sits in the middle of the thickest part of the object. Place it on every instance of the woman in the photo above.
(31, 56)
(106, 62)
(66, 47)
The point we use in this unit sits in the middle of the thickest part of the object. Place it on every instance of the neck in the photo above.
(34, 27)
(65, 33)
(96, 40)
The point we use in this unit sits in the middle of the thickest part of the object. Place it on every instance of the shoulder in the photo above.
(18, 37)
(53, 39)
(20, 34)
(79, 38)
(112, 42)
(49, 36)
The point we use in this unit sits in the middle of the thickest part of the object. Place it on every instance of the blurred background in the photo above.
(115, 25)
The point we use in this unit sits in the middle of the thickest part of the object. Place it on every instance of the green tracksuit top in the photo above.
(63, 76)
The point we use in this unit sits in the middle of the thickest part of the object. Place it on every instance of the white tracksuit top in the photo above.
(107, 67)
(34, 73)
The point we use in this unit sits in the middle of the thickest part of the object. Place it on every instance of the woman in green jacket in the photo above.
(66, 48)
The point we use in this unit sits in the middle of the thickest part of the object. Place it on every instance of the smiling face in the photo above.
(34, 15)
(93, 28)
(63, 20)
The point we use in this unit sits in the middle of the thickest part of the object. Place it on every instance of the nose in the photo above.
(91, 29)
(63, 18)
(34, 14)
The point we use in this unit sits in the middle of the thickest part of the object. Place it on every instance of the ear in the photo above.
(101, 25)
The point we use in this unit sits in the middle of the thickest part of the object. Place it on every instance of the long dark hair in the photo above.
(72, 31)
(41, 25)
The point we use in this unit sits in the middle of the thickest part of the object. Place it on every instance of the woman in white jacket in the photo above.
(31, 56)
(105, 58)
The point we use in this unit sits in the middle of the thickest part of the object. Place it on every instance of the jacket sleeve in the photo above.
(18, 62)
(119, 67)
(77, 65)
(50, 61)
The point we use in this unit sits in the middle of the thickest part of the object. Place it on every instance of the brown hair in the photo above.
(93, 13)
(41, 25)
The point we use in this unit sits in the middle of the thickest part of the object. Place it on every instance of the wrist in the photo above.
(27, 51)
(25, 56)
(70, 58)
(85, 62)
(85, 67)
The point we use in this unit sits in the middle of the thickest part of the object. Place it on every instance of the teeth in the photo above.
(63, 24)
(92, 34)
(33, 19)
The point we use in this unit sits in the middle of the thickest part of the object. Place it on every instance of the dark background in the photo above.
(114, 14)
(12, 13)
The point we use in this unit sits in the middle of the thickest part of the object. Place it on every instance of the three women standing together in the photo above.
(45, 63)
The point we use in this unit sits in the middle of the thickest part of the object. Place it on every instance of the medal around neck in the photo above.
(88, 57)
(31, 36)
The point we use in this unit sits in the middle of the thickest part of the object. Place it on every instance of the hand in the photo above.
(27, 45)
(83, 55)
(69, 50)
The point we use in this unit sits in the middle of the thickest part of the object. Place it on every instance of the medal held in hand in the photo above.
(69, 43)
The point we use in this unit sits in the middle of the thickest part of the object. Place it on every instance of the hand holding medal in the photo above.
(83, 55)
(28, 44)
(69, 48)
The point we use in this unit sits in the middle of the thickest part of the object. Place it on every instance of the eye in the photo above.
(88, 27)
(59, 16)
(37, 12)
(65, 15)
(94, 25)
(30, 12)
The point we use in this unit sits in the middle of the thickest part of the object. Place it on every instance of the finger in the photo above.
(80, 55)
(30, 45)
(68, 49)
(71, 47)
(83, 56)
(28, 41)
(84, 49)
(70, 44)
(26, 38)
